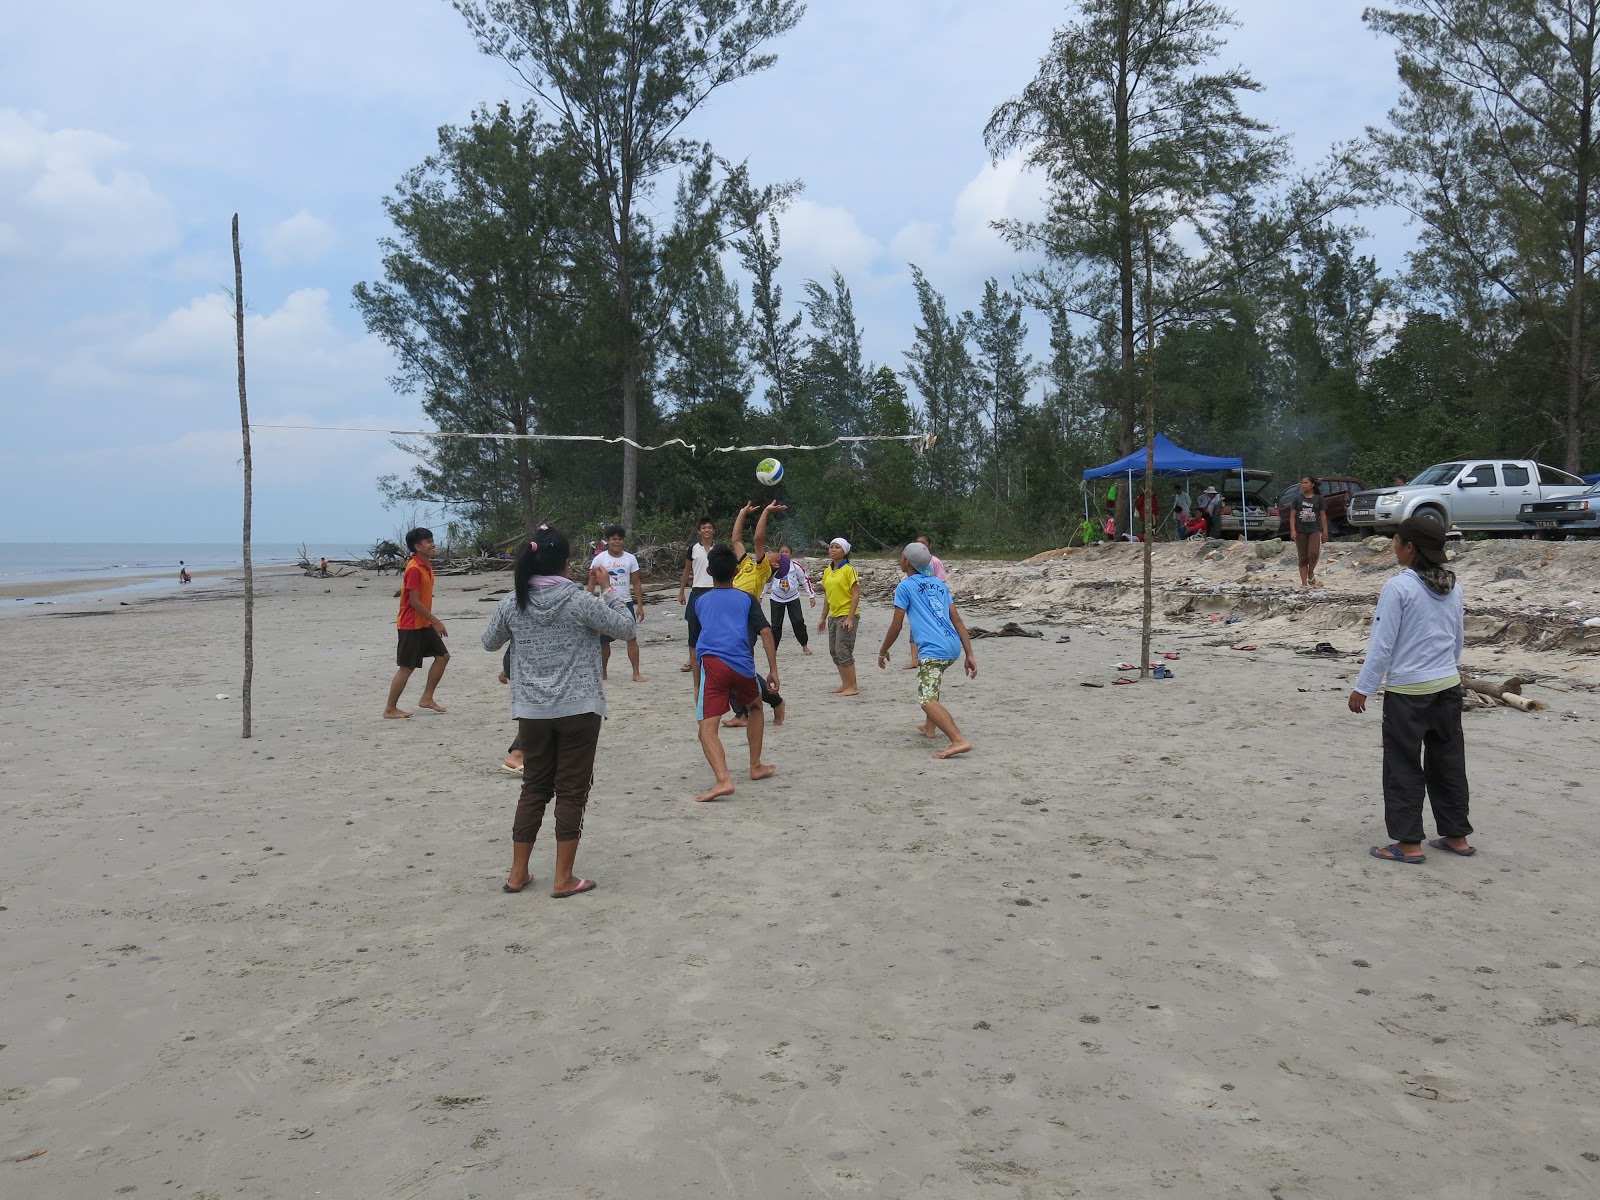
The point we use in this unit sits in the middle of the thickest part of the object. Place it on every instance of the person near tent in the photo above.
(1211, 510)
(1147, 527)
(1182, 507)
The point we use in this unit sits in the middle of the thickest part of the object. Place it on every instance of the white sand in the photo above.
(1063, 966)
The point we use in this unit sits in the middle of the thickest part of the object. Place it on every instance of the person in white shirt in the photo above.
(696, 580)
(622, 569)
(783, 590)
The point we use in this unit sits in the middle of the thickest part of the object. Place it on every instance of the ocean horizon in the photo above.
(46, 562)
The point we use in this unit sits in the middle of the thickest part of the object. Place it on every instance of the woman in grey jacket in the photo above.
(554, 627)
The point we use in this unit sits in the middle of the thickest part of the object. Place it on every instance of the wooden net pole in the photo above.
(1149, 454)
(244, 432)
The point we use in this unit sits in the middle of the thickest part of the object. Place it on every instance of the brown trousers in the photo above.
(558, 761)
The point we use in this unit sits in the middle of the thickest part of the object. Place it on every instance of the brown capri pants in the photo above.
(558, 761)
(842, 641)
(1309, 546)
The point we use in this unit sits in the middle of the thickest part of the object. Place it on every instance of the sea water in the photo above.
(113, 562)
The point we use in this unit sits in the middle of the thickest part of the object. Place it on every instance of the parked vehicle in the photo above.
(1335, 492)
(1578, 514)
(1254, 505)
(1485, 493)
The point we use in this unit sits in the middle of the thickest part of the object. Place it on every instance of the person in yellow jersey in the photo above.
(842, 586)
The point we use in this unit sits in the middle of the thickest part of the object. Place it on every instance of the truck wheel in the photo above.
(1437, 513)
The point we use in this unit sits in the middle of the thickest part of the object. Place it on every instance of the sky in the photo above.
(130, 135)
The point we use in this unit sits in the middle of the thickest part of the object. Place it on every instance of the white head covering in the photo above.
(842, 543)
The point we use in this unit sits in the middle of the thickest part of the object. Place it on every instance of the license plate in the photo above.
(1547, 524)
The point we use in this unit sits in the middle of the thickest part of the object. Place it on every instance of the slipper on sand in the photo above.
(509, 767)
(1162, 672)
(1247, 646)
(1126, 667)
(1391, 853)
(1170, 657)
(1090, 683)
(584, 885)
(1122, 681)
(1441, 844)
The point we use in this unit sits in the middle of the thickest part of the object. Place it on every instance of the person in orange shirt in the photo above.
(422, 633)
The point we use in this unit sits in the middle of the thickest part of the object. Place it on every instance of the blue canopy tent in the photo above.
(1171, 462)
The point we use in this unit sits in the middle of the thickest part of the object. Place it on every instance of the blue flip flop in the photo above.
(1441, 844)
(1162, 672)
(1393, 855)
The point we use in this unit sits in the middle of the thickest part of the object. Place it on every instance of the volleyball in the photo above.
(769, 471)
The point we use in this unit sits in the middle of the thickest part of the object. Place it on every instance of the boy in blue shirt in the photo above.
(940, 636)
(724, 624)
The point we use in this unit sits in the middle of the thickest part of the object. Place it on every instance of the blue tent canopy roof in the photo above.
(1171, 461)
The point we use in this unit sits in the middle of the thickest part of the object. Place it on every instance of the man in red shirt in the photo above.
(422, 634)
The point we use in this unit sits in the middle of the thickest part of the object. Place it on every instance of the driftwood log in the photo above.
(1508, 693)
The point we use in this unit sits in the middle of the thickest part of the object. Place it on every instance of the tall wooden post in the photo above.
(1149, 453)
(244, 431)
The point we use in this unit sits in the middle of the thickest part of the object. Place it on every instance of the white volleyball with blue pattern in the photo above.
(769, 471)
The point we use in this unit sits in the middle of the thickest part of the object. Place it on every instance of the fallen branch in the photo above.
(1508, 693)
(1009, 629)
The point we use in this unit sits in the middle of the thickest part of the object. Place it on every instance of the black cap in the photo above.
(1426, 534)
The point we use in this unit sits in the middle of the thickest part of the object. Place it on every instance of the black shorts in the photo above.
(633, 609)
(418, 644)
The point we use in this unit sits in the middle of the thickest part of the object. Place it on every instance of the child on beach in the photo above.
(1417, 637)
(937, 567)
(696, 579)
(938, 631)
(842, 586)
(622, 570)
(727, 620)
(751, 577)
(422, 633)
(783, 591)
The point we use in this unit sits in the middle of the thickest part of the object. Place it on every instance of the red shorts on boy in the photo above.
(721, 687)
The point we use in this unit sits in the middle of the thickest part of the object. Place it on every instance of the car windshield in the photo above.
(1438, 474)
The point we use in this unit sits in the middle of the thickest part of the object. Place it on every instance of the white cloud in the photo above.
(821, 238)
(65, 198)
(302, 238)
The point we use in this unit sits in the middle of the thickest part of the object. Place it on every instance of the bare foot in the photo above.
(836, 691)
(716, 793)
(805, 649)
(394, 714)
(433, 704)
(736, 722)
(849, 691)
(779, 713)
(760, 771)
(928, 733)
(958, 748)
(640, 679)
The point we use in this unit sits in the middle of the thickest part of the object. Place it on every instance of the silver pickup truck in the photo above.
(1485, 493)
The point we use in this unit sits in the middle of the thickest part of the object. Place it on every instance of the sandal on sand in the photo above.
(584, 885)
(1090, 683)
(1162, 672)
(1122, 681)
(1170, 657)
(1391, 853)
(1247, 646)
(1126, 667)
(1441, 844)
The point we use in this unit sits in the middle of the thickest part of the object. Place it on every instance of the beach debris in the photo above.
(25, 1157)
(1091, 683)
(1508, 693)
(1245, 646)
(1009, 629)
(223, 696)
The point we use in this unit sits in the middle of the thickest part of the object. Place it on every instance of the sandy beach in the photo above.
(1132, 946)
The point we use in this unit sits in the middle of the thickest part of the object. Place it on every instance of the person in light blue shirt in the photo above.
(940, 637)
(1417, 637)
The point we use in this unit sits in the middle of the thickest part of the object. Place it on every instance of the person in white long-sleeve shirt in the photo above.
(1414, 655)
(783, 591)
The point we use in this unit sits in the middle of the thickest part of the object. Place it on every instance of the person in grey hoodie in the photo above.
(1414, 655)
(554, 627)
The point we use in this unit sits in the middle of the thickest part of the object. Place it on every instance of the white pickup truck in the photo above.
(1484, 493)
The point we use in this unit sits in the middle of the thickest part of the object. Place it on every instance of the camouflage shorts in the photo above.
(930, 674)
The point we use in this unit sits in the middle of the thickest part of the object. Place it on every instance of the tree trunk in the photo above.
(1578, 341)
(244, 430)
(1125, 264)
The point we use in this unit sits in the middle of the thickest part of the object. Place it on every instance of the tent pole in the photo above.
(1244, 509)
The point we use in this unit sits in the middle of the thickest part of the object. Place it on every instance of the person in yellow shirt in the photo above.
(843, 588)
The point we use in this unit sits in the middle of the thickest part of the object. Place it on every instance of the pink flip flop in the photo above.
(584, 885)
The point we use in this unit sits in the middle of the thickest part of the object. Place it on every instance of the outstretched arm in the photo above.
(738, 530)
(761, 529)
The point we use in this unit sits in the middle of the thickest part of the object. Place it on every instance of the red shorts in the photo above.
(721, 687)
